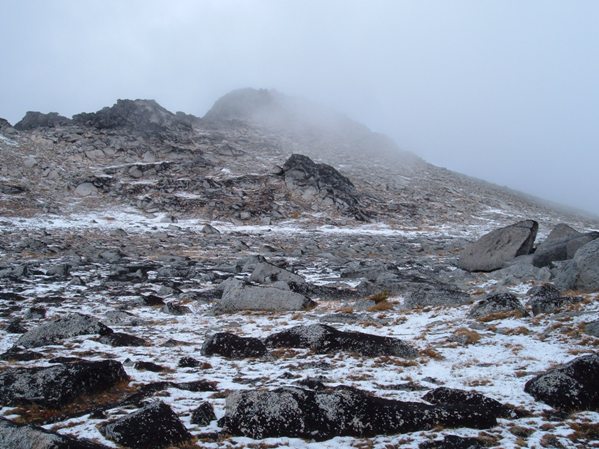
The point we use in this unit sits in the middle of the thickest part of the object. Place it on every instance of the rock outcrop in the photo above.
(322, 338)
(582, 272)
(573, 386)
(495, 249)
(34, 119)
(238, 296)
(232, 346)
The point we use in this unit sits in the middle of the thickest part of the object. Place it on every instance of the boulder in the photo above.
(238, 296)
(341, 411)
(203, 415)
(154, 426)
(495, 249)
(117, 339)
(455, 442)
(229, 345)
(451, 396)
(266, 273)
(552, 250)
(62, 328)
(57, 385)
(582, 272)
(20, 436)
(322, 338)
(498, 305)
(552, 305)
(573, 386)
(592, 328)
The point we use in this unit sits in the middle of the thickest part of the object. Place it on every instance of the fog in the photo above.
(507, 91)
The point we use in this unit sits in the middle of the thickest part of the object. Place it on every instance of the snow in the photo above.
(5, 140)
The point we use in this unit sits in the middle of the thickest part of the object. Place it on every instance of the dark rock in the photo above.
(498, 304)
(64, 327)
(308, 179)
(35, 313)
(121, 339)
(322, 338)
(16, 327)
(61, 270)
(548, 291)
(342, 411)
(188, 362)
(12, 189)
(552, 305)
(573, 386)
(144, 116)
(454, 442)
(229, 345)
(34, 119)
(148, 366)
(495, 249)
(551, 251)
(15, 354)
(20, 436)
(57, 385)
(451, 396)
(152, 300)
(154, 426)
(203, 414)
(175, 309)
(239, 296)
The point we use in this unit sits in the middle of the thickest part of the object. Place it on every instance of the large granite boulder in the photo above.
(238, 296)
(62, 328)
(495, 249)
(573, 386)
(561, 244)
(266, 273)
(322, 338)
(342, 411)
(57, 385)
(582, 272)
(154, 426)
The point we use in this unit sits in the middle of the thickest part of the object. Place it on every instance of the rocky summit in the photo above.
(274, 274)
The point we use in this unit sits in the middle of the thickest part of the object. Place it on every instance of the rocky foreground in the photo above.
(179, 282)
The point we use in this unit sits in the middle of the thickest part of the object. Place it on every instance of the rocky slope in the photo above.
(276, 275)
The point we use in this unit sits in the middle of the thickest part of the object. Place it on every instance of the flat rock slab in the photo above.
(18, 436)
(495, 249)
(322, 338)
(341, 411)
(57, 385)
(573, 386)
(230, 345)
(62, 328)
(154, 426)
(238, 296)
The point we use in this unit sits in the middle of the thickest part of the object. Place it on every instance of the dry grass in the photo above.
(518, 331)
(501, 316)
(381, 306)
(379, 297)
(551, 441)
(431, 353)
(584, 431)
(466, 336)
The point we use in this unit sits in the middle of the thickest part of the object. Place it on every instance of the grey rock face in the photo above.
(57, 385)
(562, 249)
(341, 411)
(573, 386)
(592, 328)
(497, 304)
(230, 345)
(322, 338)
(309, 180)
(34, 119)
(154, 426)
(144, 116)
(239, 296)
(582, 272)
(266, 273)
(495, 249)
(64, 327)
(18, 436)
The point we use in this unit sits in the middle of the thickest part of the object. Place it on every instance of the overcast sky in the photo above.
(507, 91)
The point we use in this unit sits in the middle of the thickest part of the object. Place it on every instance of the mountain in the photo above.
(274, 274)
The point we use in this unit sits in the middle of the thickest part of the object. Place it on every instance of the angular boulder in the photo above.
(238, 296)
(266, 273)
(203, 414)
(451, 396)
(552, 305)
(20, 436)
(322, 339)
(232, 346)
(552, 250)
(154, 426)
(495, 249)
(573, 386)
(341, 411)
(62, 328)
(57, 385)
(582, 272)
(499, 304)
